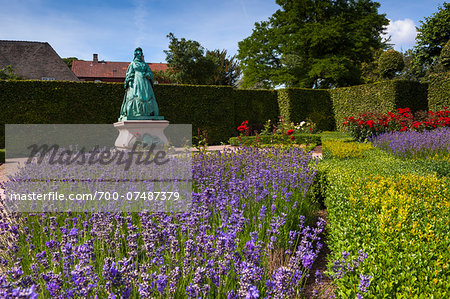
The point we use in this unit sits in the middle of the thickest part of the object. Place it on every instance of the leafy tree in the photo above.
(313, 43)
(187, 61)
(227, 70)
(390, 63)
(7, 73)
(432, 35)
(369, 70)
(190, 63)
(69, 61)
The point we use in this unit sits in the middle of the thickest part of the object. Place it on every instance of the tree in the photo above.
(190, 63)
(313, 43)
(7, 73)
(187, 61)
(390, 63)
(227, 71)
(431, 37)
(69, 61)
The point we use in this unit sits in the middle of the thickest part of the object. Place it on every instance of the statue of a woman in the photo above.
(139, 101)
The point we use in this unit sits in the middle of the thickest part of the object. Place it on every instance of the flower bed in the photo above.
(398, 212)
(412, 144)
(369, 125)
(247, 235)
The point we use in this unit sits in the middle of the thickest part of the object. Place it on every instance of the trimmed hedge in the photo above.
(257, 106)
(394, 210)
(270, 139)
(379, 97)
(298, 104)
(439, 91)
(216, 109)
(207, 108)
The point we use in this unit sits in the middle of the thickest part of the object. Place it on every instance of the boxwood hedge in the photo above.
(298, 104)
(439, 91)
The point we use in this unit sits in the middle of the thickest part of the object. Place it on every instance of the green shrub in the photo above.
(439, 91)
(380, 97)
(298, 104)
(389, 63)
(276, 139)
(445, 56)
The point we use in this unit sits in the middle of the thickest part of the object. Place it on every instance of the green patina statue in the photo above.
(139, 102)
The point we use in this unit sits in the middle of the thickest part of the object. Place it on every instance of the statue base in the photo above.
(122, 118)
(146, 131)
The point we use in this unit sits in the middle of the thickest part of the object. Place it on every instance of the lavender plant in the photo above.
(246, 206)
(413, 145)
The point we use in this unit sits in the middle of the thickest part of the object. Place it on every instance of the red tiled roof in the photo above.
(107, 69)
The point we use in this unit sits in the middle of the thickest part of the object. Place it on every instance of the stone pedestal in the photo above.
(147, 131)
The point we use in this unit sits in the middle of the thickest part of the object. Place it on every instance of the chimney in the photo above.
(95, 58)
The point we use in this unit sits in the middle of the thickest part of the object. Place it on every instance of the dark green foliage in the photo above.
(69, 61)
(227, 70)
(432, 35)
(277, 139)
(7, 73)
(297, 105)
(257, 106)
(390, 63)
(445, 56)
(312, 43)
(380, 97)
(207, 108)
(439, 91)
(187, 61)
(190, 63)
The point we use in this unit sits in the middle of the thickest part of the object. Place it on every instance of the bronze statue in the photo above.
(139, 101)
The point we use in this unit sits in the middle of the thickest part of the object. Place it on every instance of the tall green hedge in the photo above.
(207, 108)
(298, 104)
(218, 110)
(28, 102)
(256, 106)
(439, 91)
(379, 98)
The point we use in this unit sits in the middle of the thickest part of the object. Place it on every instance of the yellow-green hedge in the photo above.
(439, 91)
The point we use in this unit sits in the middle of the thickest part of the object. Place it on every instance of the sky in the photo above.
(114, 28)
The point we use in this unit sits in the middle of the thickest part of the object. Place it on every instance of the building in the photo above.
(106, 71)
(34, 61)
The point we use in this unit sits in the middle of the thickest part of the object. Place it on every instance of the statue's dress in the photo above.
(139, 98)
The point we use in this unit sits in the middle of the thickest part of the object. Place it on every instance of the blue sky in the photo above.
(113, 28)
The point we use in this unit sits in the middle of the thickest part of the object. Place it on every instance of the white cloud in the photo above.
(402, 33)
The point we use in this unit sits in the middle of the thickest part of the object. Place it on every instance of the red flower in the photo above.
(416, 125)
(292, 137)
(404, 110)
(242, 128)
(290, 132)
(403, 129)
(370, 123)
